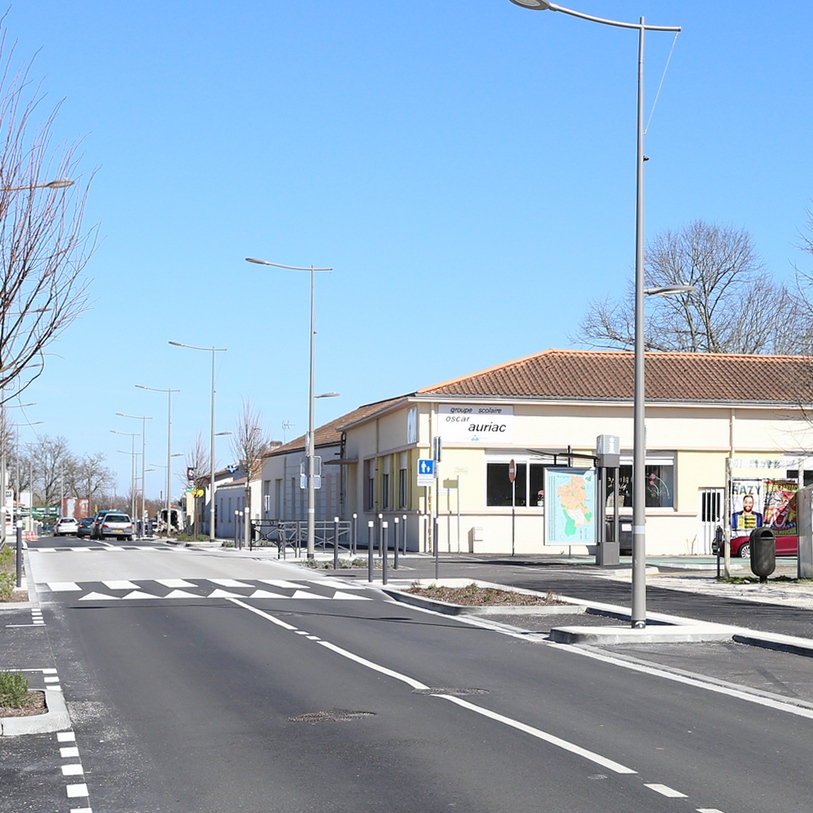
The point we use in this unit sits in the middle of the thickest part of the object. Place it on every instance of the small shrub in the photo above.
(7, 584)
(13, 689)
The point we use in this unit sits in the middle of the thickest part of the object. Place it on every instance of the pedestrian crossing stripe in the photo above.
(146, 590)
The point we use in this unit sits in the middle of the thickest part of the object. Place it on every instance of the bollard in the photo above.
(395, 545)
(335, 543)
(19, 554)
(404, 532)
(370, 526)
(354, 536)
(385, 545)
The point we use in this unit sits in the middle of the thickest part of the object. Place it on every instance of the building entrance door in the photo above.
(710, 515)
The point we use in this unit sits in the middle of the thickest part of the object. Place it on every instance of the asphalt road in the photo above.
(325, 696)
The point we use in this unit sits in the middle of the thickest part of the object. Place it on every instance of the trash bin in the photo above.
(763, 552)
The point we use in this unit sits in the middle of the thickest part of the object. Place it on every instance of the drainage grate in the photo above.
(331, 716)
(454, 692)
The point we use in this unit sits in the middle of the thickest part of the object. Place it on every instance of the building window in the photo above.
(660, 484)
(385, 488)
(499, 488)
(369, 485)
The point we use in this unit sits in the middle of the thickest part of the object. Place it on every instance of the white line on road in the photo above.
(665, 790)
(416, 684)
(729, 690)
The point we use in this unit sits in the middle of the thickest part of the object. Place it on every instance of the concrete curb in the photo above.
(661, 628)
(55, 719)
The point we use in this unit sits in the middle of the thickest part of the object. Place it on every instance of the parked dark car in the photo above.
(85, 527)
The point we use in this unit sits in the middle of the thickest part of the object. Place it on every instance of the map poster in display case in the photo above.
(570, 506)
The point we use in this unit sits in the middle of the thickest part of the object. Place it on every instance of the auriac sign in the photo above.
(476, 423)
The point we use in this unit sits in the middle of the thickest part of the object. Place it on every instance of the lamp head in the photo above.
(534, 5)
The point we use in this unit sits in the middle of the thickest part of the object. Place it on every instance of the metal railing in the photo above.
(285, 535)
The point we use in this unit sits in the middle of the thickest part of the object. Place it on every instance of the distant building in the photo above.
(701, 409)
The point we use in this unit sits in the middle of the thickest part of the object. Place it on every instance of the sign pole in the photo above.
(512, 476)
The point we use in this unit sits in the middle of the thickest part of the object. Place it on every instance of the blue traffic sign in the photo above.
(426, 467)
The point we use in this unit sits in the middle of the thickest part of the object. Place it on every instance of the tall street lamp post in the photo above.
(169, 392)
(212, 484)
(143, 419)
(638, 610)
(132, 453)
(310, 450)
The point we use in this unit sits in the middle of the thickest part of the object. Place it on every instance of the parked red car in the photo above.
(785, 546)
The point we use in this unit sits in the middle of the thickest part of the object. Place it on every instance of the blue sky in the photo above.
(465, 166)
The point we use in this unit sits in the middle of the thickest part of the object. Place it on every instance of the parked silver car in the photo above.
(114, 524)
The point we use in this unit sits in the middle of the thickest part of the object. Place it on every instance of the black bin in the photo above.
(763, 552)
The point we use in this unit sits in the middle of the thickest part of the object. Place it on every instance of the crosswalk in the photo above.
(129, 590)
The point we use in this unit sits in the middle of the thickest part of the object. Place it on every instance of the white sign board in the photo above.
(476, 423)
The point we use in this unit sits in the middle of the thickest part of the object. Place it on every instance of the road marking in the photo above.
(729, 690)
(262, 614)
(65, 736)
(181, 594)
(349, 597)
(73, 770)
(665, 790)
(527, 729)
(63, 587)
(68, 753)
(229, 583)
(99, 597)
(174, 583)
(266, 594)
(122, 584)
(282, 583)
(75, 791)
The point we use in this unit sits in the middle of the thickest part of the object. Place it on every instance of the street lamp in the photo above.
(59, 183)
(143, 419)
(309, 451)
(132, 436)
(169, 392)
(212, 485)
(638, 610)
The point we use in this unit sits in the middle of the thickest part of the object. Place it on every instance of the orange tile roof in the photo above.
(595, 375)
(331, 433)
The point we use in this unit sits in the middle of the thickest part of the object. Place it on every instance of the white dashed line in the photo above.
(75, 791)
(65, 736)
(68, 753)
(73, 770)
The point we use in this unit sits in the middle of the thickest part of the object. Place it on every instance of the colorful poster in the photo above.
(746, 505)
(779, 508)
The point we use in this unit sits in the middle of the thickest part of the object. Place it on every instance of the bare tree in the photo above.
(88, 476)
(736, 305)
(198, 465)
(249, 444)
(43, 247)
(48, 459)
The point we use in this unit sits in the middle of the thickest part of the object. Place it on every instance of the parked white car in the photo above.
(66, 526)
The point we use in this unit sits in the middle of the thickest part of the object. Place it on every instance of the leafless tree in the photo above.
(249, 444)
(88, 476)
(43, 245)
(198, 464)
(48, 459)
(736, 305)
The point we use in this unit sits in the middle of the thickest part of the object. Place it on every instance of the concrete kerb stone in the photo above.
(661, 628)
(55, 719)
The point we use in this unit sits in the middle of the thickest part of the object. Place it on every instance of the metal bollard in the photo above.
(395, 546)
(370, 533)
(19, 554)
(385, 548)
(354, 536)
(335, 543)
